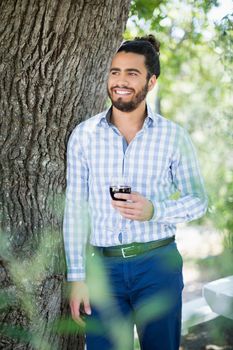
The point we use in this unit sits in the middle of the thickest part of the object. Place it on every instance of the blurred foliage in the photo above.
(145, 8)
(225, 42)
(194, 89)
(23, 292)
(214, 267)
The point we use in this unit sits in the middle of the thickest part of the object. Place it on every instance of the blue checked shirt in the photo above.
(158, 163)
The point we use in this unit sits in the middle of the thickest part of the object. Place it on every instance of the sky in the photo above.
(217, 13)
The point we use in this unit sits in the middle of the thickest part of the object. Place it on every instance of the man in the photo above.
(139, 278)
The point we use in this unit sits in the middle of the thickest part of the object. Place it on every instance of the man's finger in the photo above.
(126, 196)
(131, 217)
(121, 204)
(87, 307)
(134, 196)
(75, 309)
(76, 314)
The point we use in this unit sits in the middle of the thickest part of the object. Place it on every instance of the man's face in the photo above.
(127, 82)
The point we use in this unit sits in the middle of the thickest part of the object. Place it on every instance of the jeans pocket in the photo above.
(170, 259)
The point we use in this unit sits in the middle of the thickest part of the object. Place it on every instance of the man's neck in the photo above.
(133, 120)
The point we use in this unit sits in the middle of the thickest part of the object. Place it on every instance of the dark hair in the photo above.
(147, 46)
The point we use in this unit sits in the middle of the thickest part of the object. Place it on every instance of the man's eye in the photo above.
(132, 74)
(114, 73)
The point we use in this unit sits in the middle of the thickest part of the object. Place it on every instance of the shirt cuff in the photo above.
(75, 275)
(159, 210)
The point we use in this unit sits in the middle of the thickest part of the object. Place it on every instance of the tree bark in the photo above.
(54, 60)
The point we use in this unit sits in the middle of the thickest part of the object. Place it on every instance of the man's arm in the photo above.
(187, 179)
(76, 225)
(192, 202)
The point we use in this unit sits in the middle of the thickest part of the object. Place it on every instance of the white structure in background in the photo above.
(195, 312)
(217, 300)
(219, 296)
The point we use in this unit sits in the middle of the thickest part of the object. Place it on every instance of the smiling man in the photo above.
(134, 273)
(128, 95)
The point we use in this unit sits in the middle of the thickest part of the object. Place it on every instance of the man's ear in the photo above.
(152, 82)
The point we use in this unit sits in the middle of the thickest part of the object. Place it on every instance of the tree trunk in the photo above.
(54, 61)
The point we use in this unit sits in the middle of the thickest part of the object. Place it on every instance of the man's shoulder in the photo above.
(173, 132)
(88, 125)
(166, 123)
(91, 122)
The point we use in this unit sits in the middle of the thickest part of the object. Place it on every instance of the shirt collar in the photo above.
(151, 117)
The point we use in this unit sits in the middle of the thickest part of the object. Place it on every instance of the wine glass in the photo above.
(119, 185)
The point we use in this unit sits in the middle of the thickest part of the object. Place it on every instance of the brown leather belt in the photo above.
(133, 249)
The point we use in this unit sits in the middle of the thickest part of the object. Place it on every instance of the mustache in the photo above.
(122, 87)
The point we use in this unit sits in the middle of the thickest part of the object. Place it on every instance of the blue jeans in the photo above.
(145, 291)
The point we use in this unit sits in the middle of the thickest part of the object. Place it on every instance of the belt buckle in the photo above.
(124, 250)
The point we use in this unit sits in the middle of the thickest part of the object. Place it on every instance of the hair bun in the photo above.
(152, 40)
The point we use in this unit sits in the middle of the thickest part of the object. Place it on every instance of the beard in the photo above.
(130, 106)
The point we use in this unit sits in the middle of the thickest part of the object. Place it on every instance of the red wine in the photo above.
(119, 189)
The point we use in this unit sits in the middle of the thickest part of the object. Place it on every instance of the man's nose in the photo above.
(122, 81)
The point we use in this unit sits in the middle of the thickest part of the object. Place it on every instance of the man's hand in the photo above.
(138, 208)
(79, 302)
